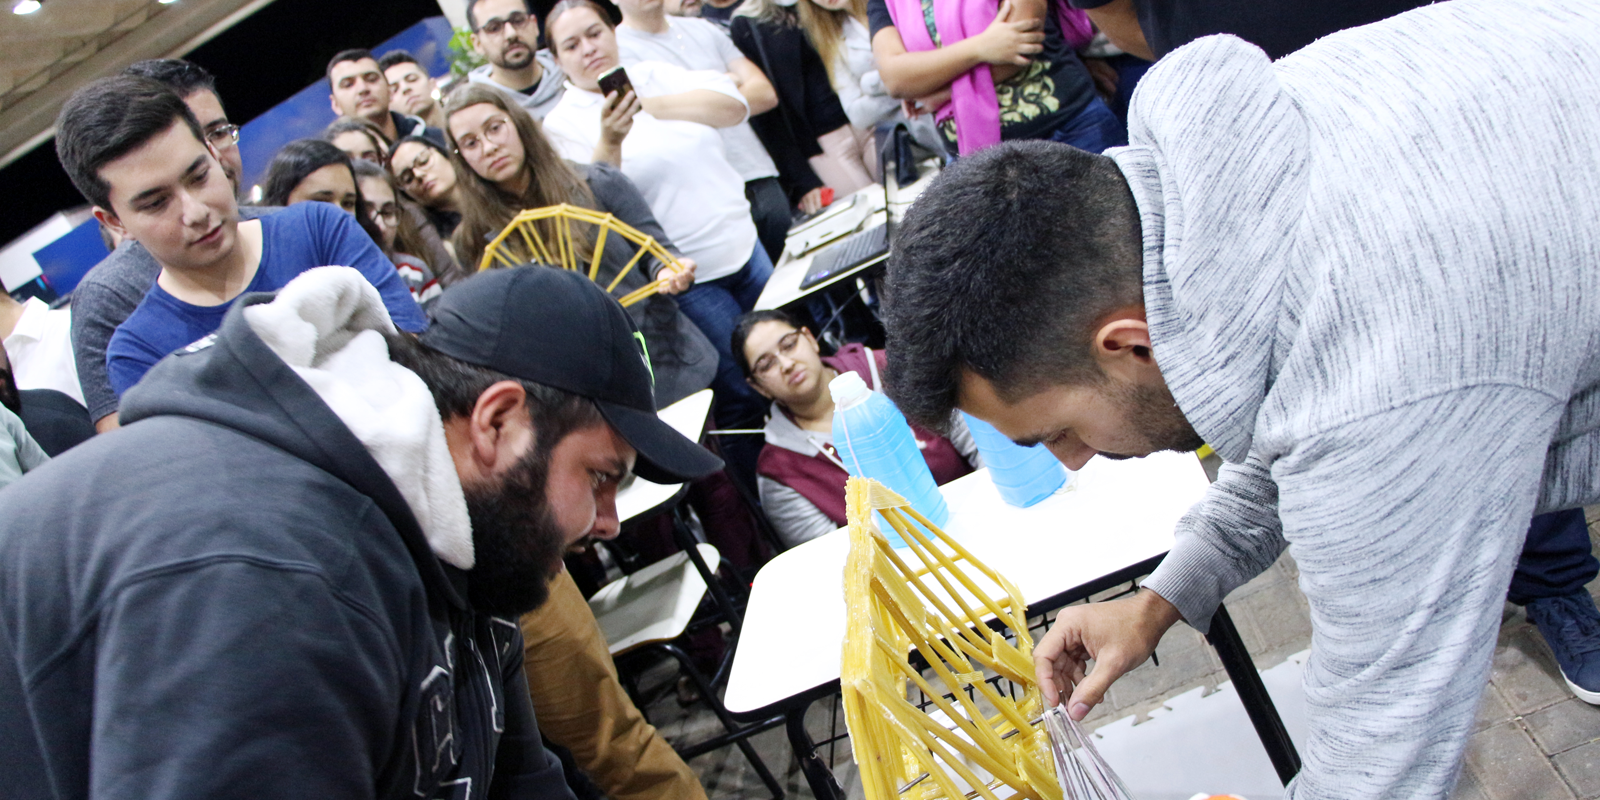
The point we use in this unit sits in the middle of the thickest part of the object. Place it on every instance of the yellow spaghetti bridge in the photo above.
(974, 739)
(566, 250)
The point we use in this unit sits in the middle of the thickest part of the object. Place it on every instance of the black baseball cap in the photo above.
(556, 327)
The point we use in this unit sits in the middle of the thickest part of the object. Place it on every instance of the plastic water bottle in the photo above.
(874, 441)
(1024, 475)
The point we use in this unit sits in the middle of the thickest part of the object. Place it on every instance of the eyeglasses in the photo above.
(408, 177)
(768, 362)
(223, 136)
(494, 25)
(497, 129)
(386, 214)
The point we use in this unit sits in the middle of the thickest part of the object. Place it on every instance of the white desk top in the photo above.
(688, 417)
(783, 287)
(1117, 514)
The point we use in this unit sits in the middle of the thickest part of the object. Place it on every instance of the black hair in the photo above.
(353, 54)
(183, 77)
(1002, 269)
(472, 16)
(747, 323)
(394, 57)
(417, 138)
(301, 157)
(109, 118)
(456, 386)
(344, 125)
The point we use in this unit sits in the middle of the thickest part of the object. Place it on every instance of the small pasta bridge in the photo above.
(521, 242)
(981, 734)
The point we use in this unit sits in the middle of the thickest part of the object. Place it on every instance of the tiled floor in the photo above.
(1535, 741)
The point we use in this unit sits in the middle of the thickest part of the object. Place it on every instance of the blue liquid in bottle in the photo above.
(1024, 475)
(874, 441)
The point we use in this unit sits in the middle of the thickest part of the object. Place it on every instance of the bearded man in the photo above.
(296, 572)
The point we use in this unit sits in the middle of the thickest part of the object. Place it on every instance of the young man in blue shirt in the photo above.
(136, 152)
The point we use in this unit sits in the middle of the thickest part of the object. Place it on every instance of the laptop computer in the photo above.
(856, 249)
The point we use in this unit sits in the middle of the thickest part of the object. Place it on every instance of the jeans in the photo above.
(714, 307)
(1556, 558)
(1094, 129)
(769, 208)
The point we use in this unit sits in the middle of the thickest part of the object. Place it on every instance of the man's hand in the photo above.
(1117, 635)
(1008, 41)
(677, 281)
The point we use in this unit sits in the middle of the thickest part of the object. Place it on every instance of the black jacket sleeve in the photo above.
(523, 768)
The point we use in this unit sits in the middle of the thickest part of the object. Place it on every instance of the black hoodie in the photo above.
(230, 598)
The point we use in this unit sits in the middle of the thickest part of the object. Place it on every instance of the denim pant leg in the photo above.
(1556, 559)
(714, 307)
(1093, 129)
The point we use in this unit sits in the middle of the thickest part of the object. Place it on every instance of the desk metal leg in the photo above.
(1253, 693)
(817, 773)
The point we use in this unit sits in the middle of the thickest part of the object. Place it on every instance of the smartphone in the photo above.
(615, 80)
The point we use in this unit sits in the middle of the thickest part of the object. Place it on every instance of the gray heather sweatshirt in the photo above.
(1372, 276)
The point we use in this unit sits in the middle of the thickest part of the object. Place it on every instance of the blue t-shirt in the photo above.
(301, 237)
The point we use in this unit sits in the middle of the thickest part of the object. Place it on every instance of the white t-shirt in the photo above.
(680, 167)
(696, 44)
(40, 349)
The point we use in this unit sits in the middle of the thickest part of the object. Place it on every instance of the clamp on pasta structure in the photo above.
(522, 233)
(976, 740)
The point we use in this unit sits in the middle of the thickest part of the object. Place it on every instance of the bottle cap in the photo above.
(847, 389)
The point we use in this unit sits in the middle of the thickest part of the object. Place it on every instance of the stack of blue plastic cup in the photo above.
(1024, 475)
(875, 442)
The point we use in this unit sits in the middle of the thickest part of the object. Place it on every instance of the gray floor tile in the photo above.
(1509, 766)
(1565, 725)
(1468, 789)
(1524, 671)
(1581, 767)
(1492, 709)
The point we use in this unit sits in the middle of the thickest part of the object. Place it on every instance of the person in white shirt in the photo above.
(647, 33)
(666, 141)
(39, 341)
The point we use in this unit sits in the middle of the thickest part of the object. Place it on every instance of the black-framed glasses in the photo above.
(765, 364)
(494, 25)
(223, 136)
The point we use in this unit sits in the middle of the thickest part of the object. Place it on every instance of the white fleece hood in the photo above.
(327, 324)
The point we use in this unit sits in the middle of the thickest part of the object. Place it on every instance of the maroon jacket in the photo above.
(791, 459)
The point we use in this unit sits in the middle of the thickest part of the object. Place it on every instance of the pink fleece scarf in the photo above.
(972, 97)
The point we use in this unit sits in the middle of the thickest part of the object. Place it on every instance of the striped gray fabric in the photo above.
(1372, 276)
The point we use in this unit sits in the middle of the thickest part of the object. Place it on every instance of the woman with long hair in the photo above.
(838, 31)
(664, 137)
(399, 237)
(507, 165)
(810, 137)
(426, 175)
(312, 169)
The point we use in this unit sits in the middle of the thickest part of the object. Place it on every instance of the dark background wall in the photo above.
(258, 63)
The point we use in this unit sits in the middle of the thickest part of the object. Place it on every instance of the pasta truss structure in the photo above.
(979, 734)
(522, 242)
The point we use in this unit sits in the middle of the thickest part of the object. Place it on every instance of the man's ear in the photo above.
(110, 220)
(477, 43)
(334, 103)
(499, 430)
(1121, 346)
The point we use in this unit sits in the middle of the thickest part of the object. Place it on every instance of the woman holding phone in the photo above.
(660, 127)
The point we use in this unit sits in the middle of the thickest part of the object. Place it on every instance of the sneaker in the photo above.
(1571, 626)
